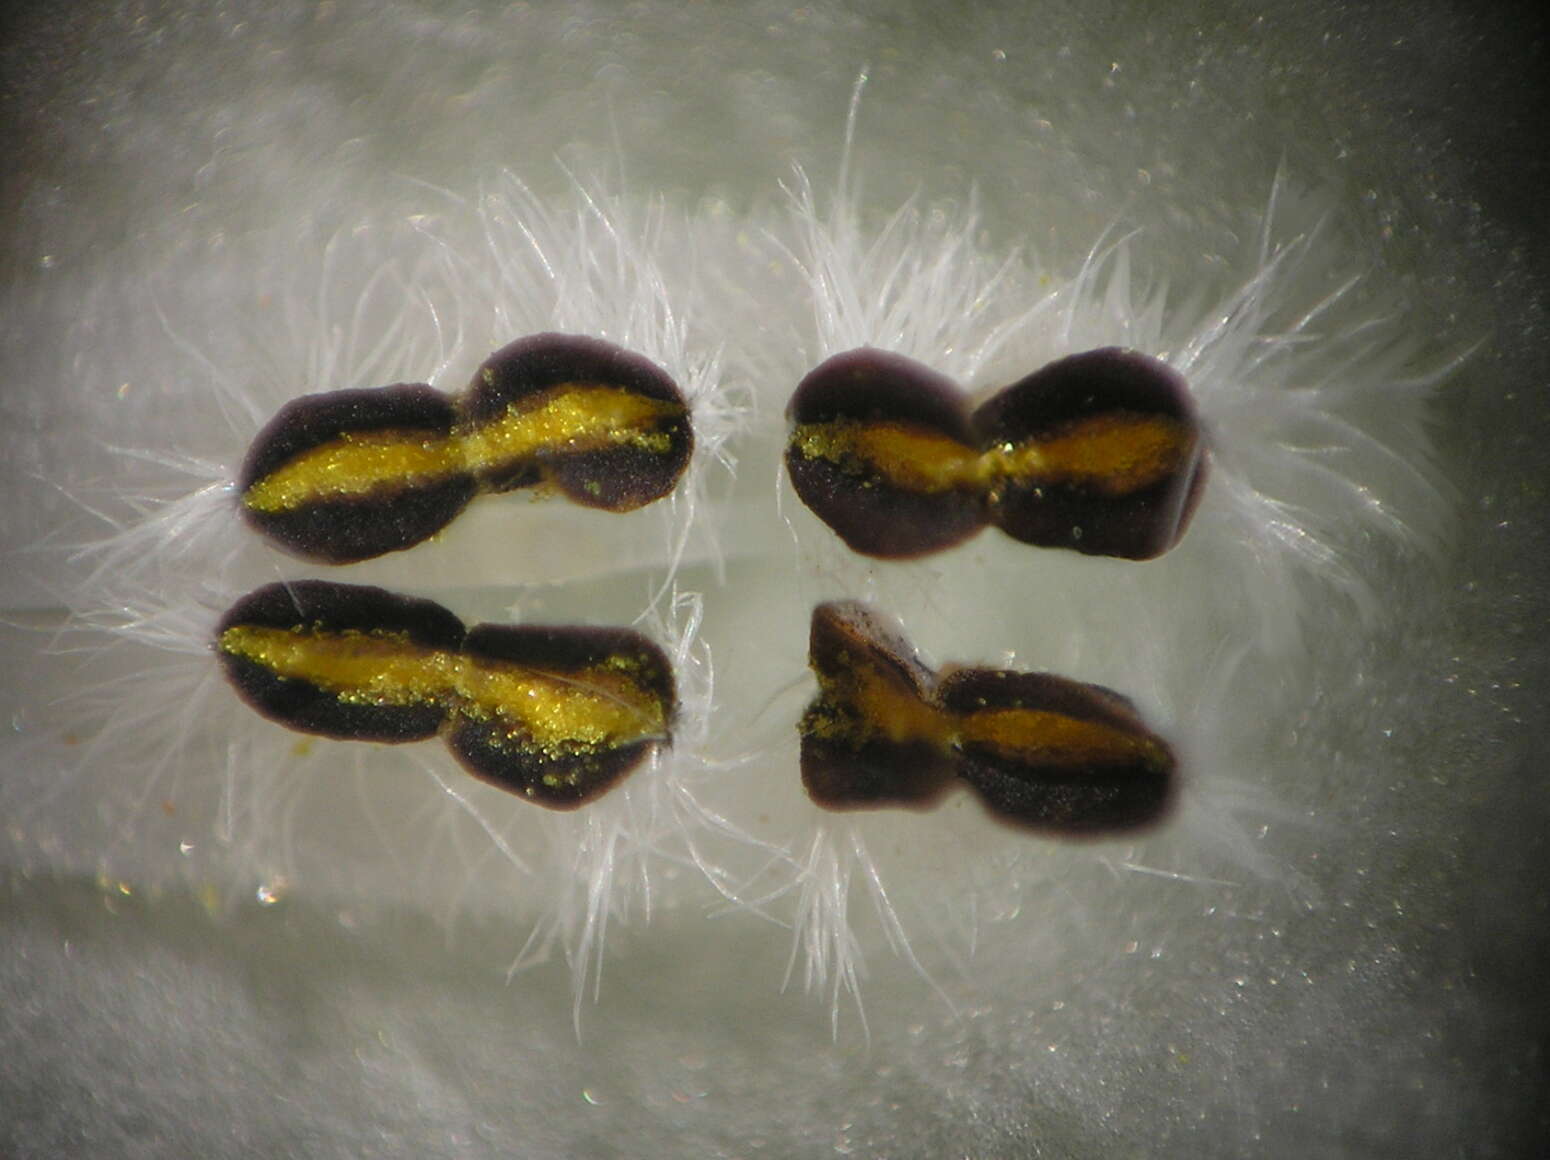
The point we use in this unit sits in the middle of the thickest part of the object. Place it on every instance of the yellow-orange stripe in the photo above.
(572, 417)
(1116, 454)
(557, 713)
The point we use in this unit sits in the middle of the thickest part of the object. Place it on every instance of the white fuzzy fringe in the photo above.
(1321, 491)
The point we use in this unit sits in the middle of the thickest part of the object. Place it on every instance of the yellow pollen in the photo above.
(555, 712)
(1054, 738)
(355, 464)
(885, 706)
(571, 417)
(915, 458)
(1114, 454)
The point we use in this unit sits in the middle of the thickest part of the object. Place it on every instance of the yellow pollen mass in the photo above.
(912, 457)
(562, 713)
(1115, 454)
(371, 668)
(355, 464)
(555, 712)
(886, 708)
(570, 417)
(1054, 738)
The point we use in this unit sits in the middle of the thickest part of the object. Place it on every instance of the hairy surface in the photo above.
(351, 948)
